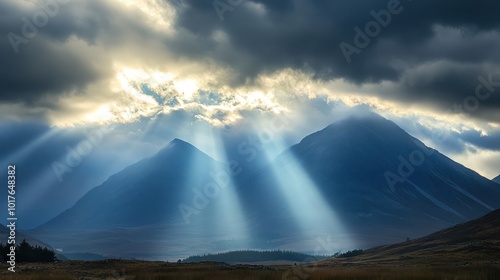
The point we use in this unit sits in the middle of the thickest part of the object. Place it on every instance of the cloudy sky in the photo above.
(136, 74)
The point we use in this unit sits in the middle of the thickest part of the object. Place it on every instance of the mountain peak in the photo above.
(366, 115)
(365, 119)
(180, 150)
(179, 141)
(176, 148)
(358, 130)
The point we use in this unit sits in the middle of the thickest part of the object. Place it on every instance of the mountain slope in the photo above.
(372, 170)
(496, 179)
(165, 206)
(145, 193)
(474, 241)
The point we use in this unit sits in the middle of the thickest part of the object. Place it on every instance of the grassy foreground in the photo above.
(125, 270)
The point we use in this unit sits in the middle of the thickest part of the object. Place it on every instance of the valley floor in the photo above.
(346, 269)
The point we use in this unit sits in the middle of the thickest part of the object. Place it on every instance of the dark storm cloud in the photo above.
(432, 52)
(442, 139)
(451, 141)
(463, 35)
(490, 141)
(299, 33)
(43, 48)
(37, 66)
(468, 89)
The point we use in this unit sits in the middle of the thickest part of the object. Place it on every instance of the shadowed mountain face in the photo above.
(375, 173)
(363, 180)
(159, 207)
(145, 193)
(497, 179)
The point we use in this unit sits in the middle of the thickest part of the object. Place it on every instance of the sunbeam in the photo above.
(227, 202)
(313, 215)
(21, 154)
(221, 221)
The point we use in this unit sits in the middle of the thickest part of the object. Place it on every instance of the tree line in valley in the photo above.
(254, 256)
(26, 252)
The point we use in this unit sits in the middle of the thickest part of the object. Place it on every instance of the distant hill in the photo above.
(246, 256)
(85, 257)
(474, 241)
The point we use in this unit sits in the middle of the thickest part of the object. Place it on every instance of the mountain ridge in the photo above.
(336, 174)
(174, 157)
(474, 241)
(397, 148)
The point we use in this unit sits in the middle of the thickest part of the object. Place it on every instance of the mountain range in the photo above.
(360, 182)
